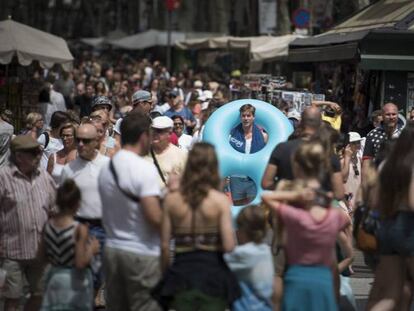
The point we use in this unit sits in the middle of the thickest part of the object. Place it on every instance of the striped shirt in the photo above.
(25, 206)
(60, 244)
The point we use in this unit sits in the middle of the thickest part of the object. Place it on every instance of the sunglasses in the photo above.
(160, 131)
(134, 104)
(85, 141)
(66, 136)
(34, 152)
(178, 124)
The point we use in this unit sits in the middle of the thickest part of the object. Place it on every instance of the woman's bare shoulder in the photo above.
(219, 198)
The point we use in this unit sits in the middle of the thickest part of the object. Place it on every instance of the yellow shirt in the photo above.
(335, 122)
(172, 160)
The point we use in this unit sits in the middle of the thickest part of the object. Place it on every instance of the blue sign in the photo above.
(301, 18)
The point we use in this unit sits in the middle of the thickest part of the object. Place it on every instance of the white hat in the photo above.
(293, 114)
(198, 84)
(162, 122)
(354, 136)
(208, 94)
(205, 96)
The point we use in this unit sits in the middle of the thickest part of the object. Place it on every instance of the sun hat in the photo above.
(354, 136)
(141, 95)
(23, 142)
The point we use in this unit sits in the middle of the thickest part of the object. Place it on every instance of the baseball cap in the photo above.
(162, 122)
(141, 95)
(354, 136)
(293, 114)
(101, 101)
(198, 84)
(206, 95)
(173, 93)
(23, 142)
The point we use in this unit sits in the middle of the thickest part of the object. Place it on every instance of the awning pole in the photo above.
(169, 12)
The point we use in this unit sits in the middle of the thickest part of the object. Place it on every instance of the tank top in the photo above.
(57, 170)
(60, 244)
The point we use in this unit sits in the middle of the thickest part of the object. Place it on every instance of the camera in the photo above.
(329, 112)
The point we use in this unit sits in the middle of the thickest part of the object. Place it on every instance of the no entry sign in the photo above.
(301, 18)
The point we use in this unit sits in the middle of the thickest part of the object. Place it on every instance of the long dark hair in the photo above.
(395, 177)
(200, 174)
(68, 195)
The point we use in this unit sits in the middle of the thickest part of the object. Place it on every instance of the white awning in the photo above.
(31, 44)
(261, 48)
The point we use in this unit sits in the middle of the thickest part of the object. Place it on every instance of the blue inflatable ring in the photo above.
(217, 132)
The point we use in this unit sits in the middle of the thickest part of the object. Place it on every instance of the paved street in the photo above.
(361, 281)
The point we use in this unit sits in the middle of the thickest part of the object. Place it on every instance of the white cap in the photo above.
(293, 114)
(354, 136)
(162, 122)
(198, 84)
(208, 94)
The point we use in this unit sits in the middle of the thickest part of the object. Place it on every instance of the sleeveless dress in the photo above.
(308, 282)
(198, 265)
(57, 170)
(66, 287)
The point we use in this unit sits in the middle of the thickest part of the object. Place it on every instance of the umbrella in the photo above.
(30, 44)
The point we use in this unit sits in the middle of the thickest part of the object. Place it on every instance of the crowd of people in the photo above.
(109, 198)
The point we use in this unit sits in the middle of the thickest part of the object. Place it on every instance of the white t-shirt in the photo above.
(85, 174)
(53, 146)
(125, 224)
(185, 142)
(171, 161)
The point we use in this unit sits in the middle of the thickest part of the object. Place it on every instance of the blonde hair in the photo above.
(252, 221)
(200, 174)
(32, 118)
(311, 158)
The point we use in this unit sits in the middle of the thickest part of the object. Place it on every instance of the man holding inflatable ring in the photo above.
(246, 137)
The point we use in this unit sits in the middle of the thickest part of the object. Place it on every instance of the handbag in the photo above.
(366, 225)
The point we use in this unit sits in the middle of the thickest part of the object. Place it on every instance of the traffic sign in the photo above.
(301, 18)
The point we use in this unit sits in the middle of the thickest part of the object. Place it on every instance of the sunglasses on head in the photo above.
(85, 141)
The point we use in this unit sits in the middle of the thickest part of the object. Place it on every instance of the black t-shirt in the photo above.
(335, 168)
(281, 157)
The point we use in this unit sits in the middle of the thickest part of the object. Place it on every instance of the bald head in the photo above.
(311, 117)
(388, 107)
(87, 131)
(86, 137)
(390, 117)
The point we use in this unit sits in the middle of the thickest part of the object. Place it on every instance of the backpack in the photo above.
(46, 139)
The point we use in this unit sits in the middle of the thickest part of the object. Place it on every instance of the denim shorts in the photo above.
(242, 188)
(396, 235)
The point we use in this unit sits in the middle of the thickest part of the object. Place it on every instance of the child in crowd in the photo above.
(251, 261)
(312, 227)
(69, 250)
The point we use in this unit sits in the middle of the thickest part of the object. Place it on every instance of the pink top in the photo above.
(311, 242)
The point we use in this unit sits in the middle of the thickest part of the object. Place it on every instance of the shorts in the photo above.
(130, 277)
(20, 273)
(242, 188)
(396, 235)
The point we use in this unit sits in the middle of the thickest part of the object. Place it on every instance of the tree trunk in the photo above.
(283, 20)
